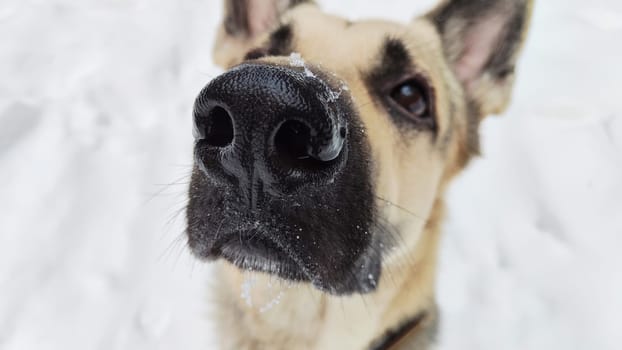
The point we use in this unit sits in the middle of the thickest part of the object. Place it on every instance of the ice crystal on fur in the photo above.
(247, 286)
(296, 60)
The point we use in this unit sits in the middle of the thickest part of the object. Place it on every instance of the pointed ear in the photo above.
(244, 22)
(482, 40)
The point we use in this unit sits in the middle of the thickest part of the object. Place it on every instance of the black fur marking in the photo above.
(473, 121)
(256, 54)
(395, 65)
(445, 141)
(502, 62)
(294, 3)
(280, 42)
(393, 337)
(464, 9)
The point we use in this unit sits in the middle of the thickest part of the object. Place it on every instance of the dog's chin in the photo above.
(252, 251)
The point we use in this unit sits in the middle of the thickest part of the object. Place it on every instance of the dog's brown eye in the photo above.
(411, 96)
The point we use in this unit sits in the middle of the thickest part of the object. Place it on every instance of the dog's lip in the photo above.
(255, 251)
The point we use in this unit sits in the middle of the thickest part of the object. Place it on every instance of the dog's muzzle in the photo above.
(281, 182)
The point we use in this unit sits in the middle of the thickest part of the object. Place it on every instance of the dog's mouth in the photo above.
(294, 252)
(253, 250)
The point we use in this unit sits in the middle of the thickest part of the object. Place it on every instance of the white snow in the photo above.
(247, 288)
(272, 303)
(95, 152)
(262, 295)
(296, 60)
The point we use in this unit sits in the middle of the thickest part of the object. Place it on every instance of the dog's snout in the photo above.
(270, 124)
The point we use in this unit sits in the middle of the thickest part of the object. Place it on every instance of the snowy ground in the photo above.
(95, 149)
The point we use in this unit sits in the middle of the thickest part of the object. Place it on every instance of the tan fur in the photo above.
(410, 174)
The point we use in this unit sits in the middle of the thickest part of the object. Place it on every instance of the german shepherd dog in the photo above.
(321, 159)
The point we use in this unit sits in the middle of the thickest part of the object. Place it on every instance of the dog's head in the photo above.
(322, 152)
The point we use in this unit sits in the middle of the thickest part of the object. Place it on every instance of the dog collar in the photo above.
(394, 337)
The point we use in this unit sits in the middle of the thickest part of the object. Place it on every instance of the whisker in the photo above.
(401, 208)
(166, 186)
(175, 215)
(173, 245)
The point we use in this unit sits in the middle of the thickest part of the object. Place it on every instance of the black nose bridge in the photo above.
(259, 96)
(257, 92)
(268, 123)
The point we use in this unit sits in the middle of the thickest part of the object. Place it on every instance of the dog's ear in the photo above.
(482, 40)
(245, 21)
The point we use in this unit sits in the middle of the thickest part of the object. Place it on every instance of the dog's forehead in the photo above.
(340, 44)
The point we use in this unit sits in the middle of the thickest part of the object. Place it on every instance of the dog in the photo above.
(321, 158)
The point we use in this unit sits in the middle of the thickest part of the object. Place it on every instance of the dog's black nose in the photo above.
(272, 126)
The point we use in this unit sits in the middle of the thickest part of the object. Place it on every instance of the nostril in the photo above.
(215, 127)
(342, 132)
(297, 147)
(292, 141)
